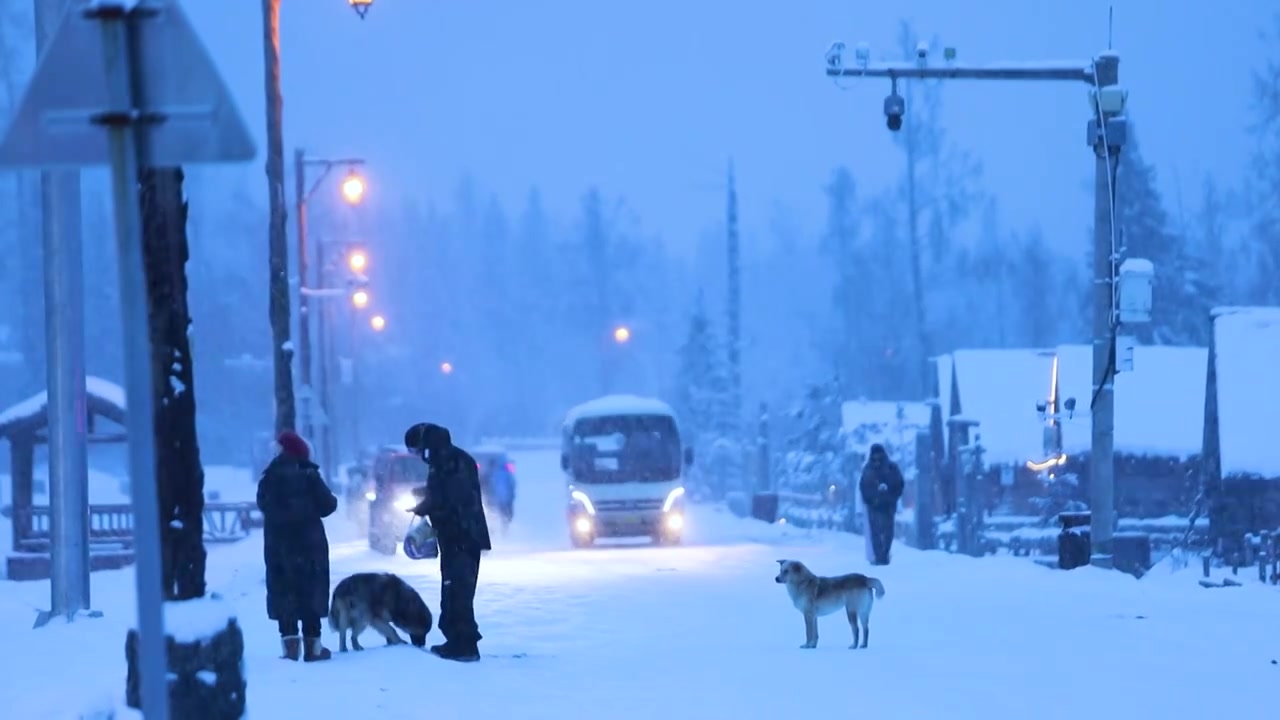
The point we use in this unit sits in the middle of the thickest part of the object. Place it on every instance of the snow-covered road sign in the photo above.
(188, 112)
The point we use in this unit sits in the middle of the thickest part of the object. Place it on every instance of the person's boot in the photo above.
(315, 651)
(292, 647)
(456, 652)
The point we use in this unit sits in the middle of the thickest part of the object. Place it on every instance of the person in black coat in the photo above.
(294, 499)
(454, 506)
(881, 486)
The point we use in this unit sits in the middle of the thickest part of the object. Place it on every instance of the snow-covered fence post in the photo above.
(205, 659)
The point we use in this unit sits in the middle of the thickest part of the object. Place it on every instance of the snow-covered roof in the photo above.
(865, 422)
(618, 405)
(108, 395)
(1246, 357)
(1159, 405)
(999, 389)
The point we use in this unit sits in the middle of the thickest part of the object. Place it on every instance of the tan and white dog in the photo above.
(816, 596)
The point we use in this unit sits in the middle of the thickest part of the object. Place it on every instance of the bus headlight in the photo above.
(371, 496)
(582, 526)
(675, 522)
(406, 503)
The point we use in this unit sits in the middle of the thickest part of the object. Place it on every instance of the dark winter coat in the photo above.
(293, 499)
(453, 501)
(881, 483)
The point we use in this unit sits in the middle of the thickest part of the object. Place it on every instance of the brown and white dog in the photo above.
(815, 596)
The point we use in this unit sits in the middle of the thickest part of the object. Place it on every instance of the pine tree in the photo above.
(703, 399)
(1264, 189)
(1181, 294)
(817, 455)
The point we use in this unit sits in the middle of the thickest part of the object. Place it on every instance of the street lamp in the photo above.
(360, 299)
(622, 334)
(357, 261)
(353, 187)
(377, 322)
(446, 367)
(360, 6)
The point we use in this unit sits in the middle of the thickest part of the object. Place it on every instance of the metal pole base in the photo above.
(44, 616)
(1106, 562)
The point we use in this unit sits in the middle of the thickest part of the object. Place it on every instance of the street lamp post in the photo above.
(353, 191)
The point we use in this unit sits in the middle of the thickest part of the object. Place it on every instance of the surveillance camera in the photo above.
(1041, 406)
(1070, 405)
(835, 56)
(863, 54)
(922, 50)
(894, 108)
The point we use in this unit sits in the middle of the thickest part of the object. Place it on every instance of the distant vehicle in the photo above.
(624, 466)
(398, 480)
(490, 458)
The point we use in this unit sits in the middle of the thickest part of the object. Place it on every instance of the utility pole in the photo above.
(353, 190)
(60, 229)
(322, 332)
(304, 306)
(733, 305)
(277, 231)
(1106, 134)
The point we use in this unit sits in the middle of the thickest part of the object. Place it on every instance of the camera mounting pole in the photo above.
(1106, 134)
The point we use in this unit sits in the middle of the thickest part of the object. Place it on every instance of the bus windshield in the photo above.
(624, 448)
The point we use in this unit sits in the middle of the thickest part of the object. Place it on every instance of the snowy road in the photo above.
(702, 631)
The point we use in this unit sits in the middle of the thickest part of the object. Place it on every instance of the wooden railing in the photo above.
(112, 525)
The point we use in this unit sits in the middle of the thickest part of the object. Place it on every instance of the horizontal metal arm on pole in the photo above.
(328, 166)
(1072, 72)
(324, 292)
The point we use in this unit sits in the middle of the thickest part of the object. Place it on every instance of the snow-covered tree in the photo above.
(1182, 294)
(816, 455)
(704, 404)
(1263, 190)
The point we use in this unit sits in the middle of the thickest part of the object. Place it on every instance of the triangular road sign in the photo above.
(197, 121)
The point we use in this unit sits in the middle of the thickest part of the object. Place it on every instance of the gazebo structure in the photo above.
(25, 426)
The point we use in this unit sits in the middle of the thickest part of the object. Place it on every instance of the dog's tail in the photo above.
(337, 613)
(874, 584)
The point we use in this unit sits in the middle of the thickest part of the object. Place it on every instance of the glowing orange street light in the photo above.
(377, 322)
(357, 261)
(360, 6)
(360, 298)
(353, 188)
(622, 334)
(446, 367)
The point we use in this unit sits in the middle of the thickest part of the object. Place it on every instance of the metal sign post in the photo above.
(127, 83)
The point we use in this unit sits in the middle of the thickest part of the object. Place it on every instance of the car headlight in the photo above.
(371, 496)
(672, 498)
(582, 499)
(406, 502)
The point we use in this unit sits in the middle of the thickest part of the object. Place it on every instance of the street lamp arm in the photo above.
(328, 166)
(1075, 72)
(324, 292)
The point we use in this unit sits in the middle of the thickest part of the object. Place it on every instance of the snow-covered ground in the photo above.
(702, 631)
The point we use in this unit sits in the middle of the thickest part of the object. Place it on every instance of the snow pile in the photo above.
(1247, 358)
(195, 620)
(618, 405)
(1000, 389)
(1159, 405)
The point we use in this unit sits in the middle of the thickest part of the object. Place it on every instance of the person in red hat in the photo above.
(294, 500)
